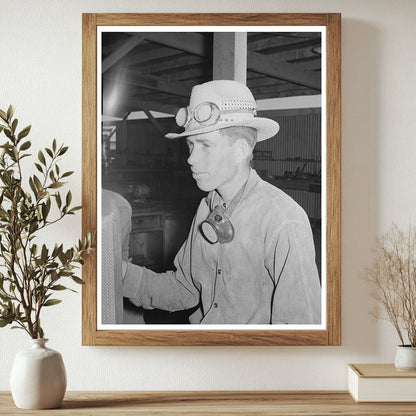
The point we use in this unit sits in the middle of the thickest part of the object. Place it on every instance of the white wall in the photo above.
(40, 73)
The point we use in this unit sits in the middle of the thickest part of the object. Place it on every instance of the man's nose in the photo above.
(193, 156)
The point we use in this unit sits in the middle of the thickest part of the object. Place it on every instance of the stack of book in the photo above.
(381, 383)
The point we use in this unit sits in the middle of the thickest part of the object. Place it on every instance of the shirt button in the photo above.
(215, 305)
(219, 271)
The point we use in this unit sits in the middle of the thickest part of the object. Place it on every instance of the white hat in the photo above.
(216, 105)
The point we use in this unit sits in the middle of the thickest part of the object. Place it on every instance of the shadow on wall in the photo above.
(361, 53)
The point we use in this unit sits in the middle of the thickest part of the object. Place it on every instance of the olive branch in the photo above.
(31, 274)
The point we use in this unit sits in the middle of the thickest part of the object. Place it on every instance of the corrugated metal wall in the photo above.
(297, 146)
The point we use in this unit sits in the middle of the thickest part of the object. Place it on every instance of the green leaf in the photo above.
(40, 332)
(25, 145)
(39, 167)
(34, 249)
(41, 157)
(8, 133)
(4, 298)
(14, 125)
(51, 302)
(77, 208)
(25, 155)
(67, 174)
(54, 145)
(37, 182)
(3, 115)
(61, 257)
(44, 253)
(55, 251)
(58, 199)
(59, 287)
(56, 185)
(33, 187)
(77, 280)
(63, 150)
(10, 112)
(68, 199)
(24, 132)
(5, 321)
(49, 152)
(45, 211)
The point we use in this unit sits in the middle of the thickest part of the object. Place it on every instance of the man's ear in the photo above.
(243, 150)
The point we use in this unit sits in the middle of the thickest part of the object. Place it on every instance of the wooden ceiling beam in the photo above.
(110, 46)
(173, 64)
(131, 77)
(185, 75)
(154, 121)
(173, 101)
(264, 82)
(277, 88)
(184, 41)
(297, 54)
(302, 35)
(121, 51)
(140, 104)
(192, 42)
(119, 113)
(274, 48)
(263, 41)
(152, 55)
(282, 94)
(268, 65)
(131, 104)
(309, 65)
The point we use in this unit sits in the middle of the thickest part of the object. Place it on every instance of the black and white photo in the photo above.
(245, 253)
(212, 182)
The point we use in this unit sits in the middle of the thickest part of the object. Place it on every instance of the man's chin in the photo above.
(204, 186)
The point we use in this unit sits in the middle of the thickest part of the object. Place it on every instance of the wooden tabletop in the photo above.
(212, 403)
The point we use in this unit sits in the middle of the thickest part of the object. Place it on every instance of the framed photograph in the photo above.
(211, 172)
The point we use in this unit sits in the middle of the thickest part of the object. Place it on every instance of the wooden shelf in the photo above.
(180, 403)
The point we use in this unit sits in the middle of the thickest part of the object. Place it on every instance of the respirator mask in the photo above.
(217, 228)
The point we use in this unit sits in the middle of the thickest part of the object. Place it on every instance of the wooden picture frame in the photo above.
(330, 334)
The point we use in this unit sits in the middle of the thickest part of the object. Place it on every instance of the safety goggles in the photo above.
(206, 114)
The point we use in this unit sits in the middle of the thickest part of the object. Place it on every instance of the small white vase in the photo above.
(38, 377)
(405, 358)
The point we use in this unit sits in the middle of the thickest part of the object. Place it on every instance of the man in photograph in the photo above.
(249, 257)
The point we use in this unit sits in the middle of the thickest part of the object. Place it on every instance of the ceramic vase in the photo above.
(38, 377)
(405, 358)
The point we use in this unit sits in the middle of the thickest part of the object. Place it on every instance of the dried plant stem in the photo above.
(393, 276)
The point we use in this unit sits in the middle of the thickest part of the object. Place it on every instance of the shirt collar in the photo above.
(214, 198)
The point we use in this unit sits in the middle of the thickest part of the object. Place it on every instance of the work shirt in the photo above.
(266, 275)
